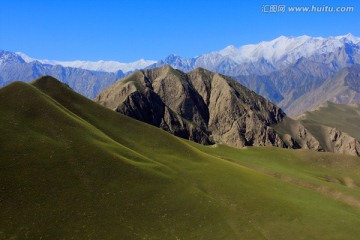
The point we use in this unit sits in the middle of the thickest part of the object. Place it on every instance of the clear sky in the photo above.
(127, 30)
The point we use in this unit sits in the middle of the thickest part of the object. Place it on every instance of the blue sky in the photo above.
(127, 30)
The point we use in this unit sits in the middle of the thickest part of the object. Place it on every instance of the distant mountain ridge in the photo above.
(103, 66)
(343, 87)
(88, 83)
(261, 58)
(264, 57)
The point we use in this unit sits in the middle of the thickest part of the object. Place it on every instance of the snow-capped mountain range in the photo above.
(284, 50)
(264, 57)
(260, 58)
(104, 66)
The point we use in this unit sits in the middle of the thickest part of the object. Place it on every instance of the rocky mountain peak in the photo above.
(202, 106)
(10, 58)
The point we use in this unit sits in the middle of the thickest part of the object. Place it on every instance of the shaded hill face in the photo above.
(70, 168)
(337, 126)
(289, 85)
(307, 84)
(67, 173)
(201, 106)
(342, 87)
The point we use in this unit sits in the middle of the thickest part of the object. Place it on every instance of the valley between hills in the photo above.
(73, 169)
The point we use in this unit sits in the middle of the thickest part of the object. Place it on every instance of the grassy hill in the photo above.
(72, 169)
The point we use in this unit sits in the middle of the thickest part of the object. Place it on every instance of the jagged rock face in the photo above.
(295, 135)
(201, 106)
(308, 140)
(341, 142)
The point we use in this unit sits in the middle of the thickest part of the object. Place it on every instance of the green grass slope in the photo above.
(72, 169)
(344, 117)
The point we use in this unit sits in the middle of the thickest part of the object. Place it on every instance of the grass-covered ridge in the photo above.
(70, 168)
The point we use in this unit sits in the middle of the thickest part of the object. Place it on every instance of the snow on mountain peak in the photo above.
(231, 49)
(101, 65)
(283, 50)
(25, 57)
(278, 52)
(348, 37)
